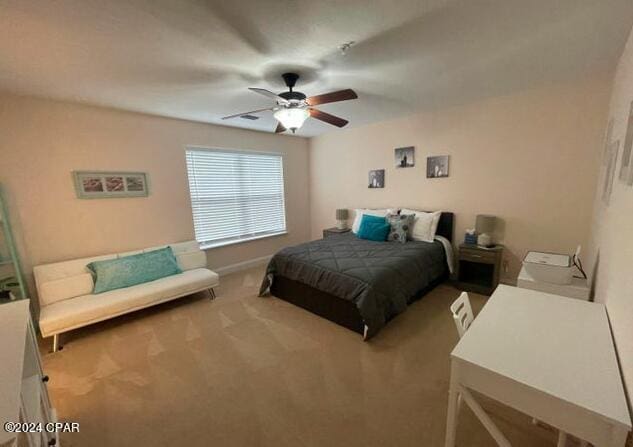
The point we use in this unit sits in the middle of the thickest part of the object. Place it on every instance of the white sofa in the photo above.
(67, 302)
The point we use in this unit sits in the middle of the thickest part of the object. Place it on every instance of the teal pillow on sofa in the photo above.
(131, 270)
(373, 228)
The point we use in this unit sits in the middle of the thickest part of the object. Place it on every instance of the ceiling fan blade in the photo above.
(268, 93)
(341, 95)
(280, 128)
(326, 117)
(237, 115)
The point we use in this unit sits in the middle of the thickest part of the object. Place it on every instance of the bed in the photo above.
(356, 283)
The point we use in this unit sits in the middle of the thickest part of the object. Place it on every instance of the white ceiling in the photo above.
(194, 59)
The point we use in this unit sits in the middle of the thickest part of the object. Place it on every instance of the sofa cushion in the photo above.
(67, 272)
(193, 260)
(189, 255)
(129, 253)
(64, 269)
(185, 247)
(158, 247)
(86, 309)
(132, 270)
(64, 288)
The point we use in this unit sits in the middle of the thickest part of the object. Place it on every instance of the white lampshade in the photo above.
(292, 118)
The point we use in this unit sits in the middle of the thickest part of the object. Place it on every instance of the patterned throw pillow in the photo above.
(400, 227)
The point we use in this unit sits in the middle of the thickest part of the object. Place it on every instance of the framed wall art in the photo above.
(609, 174)
(377, 178)
(625, 167)
(105, 185)
(437, 166)
(404, 157)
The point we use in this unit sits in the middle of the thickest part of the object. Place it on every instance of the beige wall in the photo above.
(41, 142)
(528, 158)
(613, 229)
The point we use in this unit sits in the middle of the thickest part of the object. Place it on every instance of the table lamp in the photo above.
(484, 226)
(341, 219)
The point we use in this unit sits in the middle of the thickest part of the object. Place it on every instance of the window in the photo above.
(235, 196)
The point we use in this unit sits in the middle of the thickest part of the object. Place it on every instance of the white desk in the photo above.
(547, 356)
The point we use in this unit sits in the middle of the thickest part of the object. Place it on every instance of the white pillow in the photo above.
(424, 225)
(379, 212)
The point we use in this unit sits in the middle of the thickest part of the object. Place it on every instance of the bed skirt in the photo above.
(340, 311)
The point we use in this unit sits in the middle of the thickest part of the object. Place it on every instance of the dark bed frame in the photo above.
(333, 308)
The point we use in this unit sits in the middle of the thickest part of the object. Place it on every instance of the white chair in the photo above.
(462, 313)
(463, 318)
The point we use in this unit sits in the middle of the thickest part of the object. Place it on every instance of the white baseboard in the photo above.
(245, 265)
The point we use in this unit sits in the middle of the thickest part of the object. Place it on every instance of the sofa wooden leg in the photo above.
(211, 293)
(56, 345)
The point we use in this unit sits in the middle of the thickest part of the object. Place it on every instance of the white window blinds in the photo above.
(235, 196)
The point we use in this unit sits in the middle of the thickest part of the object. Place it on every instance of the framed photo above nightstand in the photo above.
(479, 268)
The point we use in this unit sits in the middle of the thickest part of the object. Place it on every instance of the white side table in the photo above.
(578, 288)
(23, 392)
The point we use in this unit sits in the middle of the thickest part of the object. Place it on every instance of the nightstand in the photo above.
(478, 268)
(332, 231)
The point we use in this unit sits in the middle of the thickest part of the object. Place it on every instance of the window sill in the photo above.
(239, 241)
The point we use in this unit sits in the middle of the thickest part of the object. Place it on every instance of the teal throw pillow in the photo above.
(131, 270)
(373, 228)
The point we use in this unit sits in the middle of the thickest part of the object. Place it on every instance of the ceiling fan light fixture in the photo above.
(292, 118)
(292, 108)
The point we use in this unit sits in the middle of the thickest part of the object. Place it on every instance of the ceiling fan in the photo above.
(293, 108)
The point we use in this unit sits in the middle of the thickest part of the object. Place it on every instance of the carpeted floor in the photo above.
(249, 371)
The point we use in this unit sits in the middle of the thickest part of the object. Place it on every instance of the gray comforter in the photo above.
(381, 278)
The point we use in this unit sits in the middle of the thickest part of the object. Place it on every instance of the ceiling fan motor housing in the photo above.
(290, 79)
(293, 96)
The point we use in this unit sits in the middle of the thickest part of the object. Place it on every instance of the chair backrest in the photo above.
(462, 313)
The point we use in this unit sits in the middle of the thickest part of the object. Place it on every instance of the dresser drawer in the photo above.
(466, 254)
(334, 231)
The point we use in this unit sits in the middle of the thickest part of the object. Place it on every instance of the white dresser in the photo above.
(23, 393)
(578, 288)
